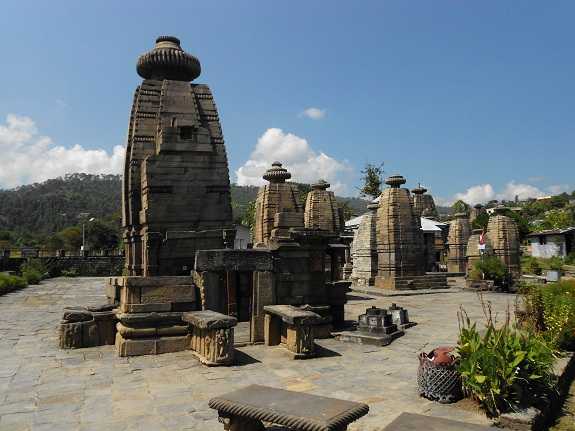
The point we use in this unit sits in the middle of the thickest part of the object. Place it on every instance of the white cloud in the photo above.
(476, 194)
(483, 193)
(28, 157)
(294, 152)
(313, 113)
(557, 189)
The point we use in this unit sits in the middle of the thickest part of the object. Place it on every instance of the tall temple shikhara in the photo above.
(176, 189)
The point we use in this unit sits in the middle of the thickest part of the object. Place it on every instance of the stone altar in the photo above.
(291, 327)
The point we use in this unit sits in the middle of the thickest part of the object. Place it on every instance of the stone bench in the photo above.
(291, 327)
(245, 409)
(212, 336)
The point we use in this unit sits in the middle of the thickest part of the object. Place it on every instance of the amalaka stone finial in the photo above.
(277, 173)
(460, 215)
(419, 190)
(373, 206)
(321, 185)
(167, 60)
(395, 181)
(499, 210)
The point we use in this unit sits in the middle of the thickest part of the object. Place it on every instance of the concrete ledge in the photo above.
(534, 419)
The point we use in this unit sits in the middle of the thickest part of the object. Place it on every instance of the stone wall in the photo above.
(93, 266)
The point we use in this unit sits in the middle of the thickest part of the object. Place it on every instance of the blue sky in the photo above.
(475, 98)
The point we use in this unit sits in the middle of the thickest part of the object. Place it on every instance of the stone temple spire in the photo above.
(277, 173)
(322, 210)
(167, 60)
(418, 204)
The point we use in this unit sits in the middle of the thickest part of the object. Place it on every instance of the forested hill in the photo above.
(52, 205)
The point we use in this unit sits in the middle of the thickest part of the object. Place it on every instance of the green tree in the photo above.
(460, 207)
(557, 219)
(71, 237)
(480, 222)
(101, 235)
(249, 216)
(372, 180)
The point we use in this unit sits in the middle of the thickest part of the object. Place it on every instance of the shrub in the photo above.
(10, 282)
(490, 268)
(32, 276)
(570, 258)
(35, 267)
(505, 367)
(72, 272)
(551, 311)
(530, 265)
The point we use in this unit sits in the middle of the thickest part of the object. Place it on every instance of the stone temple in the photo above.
(176, 188)
(423, 203)
(364, 249)
(459, 232)
(400, 243)
(503, 239)
(322, 210)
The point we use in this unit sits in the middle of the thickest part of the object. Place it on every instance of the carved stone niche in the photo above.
(212, 336)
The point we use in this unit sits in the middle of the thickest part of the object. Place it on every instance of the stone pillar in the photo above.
(459, 232)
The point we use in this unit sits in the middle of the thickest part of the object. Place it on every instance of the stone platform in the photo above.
(45, 388)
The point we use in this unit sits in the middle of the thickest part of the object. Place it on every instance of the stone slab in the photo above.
(415, 422)
(233, 260)
(370, 339)
(294, 315)
(208, 319)
(299, 411)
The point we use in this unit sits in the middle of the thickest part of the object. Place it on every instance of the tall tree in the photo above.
(372, 179)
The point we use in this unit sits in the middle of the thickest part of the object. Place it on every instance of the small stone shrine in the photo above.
(365, 249)
(459, 232)
(423, 204)
(400, 244)
(400, 317)
(375, 327)
(277, 206)
(503, 237)
(322, 210)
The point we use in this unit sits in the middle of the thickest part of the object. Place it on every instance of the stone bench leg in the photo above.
(238, 423)
(272, 330)
(300, 341)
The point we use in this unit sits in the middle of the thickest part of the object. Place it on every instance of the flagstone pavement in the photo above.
(45, 388)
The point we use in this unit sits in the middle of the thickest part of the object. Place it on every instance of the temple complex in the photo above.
(364, 249)
(459, 232)
(503, 237)
(322, 210)
(278, 199)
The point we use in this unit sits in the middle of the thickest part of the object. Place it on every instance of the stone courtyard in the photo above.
(45, 388)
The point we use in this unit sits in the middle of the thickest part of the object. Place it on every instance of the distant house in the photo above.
(551, 243)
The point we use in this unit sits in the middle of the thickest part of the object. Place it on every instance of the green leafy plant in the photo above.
(72, 272)
(490, 268)
(531, 265)
(9, 283)
(503, 367)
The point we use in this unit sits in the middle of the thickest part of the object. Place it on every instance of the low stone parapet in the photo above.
(291, 327)
(212, 336)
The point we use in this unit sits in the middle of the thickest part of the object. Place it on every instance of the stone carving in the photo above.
(322, 210)
(503, 237)
(365, 249)
(212, 336)
(276, 197)
(399, 237)
(459, 232)
(176, 190)
(87, 327)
